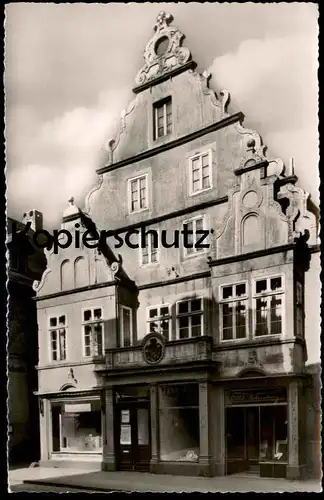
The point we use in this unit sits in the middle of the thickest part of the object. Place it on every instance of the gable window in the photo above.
(138, 194)
(159, 320)
(162, 118)
(149, 253)
(190, 318)
(92, 324)
(268, 306)
(193, 226)
(57, 327)
(126, 326)
(200, 175)
(234, 311)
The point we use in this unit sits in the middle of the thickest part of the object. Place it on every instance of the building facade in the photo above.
(26, 263)
(157, 353)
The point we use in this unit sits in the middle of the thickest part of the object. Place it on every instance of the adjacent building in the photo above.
(157, 354)
(26, 263)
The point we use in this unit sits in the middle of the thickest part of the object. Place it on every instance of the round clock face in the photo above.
(161, 46)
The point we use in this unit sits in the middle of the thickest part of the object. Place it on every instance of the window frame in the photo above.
(162, 103)
(150, 263)
(57, 328)
(121, 323)
(129, 192)
(159, 318)
(195, 252)
(268, 294)
(92, 322)
(210, 165)
(246, 298)
(190, 314)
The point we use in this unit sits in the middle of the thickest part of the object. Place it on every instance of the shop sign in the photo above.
(275, 395)
(77, 408)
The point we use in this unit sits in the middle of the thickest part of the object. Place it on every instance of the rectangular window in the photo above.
(200, 172)
(162, 118)
(159, 320)
(268, 306)
(126, 327)
(57, 328)
(190, 318)
(76, 426)
(149, 253)
(138, 199)
(193, 228)
(299, 309)
(92, 324)
(234, 311)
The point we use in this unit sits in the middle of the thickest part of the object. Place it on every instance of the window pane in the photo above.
(196, 185)
(87, 315)
(153, 313)
(81, 431)
(97, 313)
(62, 345)
(53, 321)
(183, 307)
(227, 292)
(179, 434)
(164, 311)
(154, 327)
(205, 182)
(195, 175)
(276, 314)
(164, 324)
(134, 186)
(199, 224)
(183, 327)
(240, 290)
(240, 320)
(205, 160)
(62, 320)
(275, 283)
(261, 317)
(196, 321)
(196, 305)
(261, 286)
(227, 321)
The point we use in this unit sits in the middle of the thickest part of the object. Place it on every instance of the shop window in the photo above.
(200, 174)
(234, 311)
(57, 328)
(126, 326)
(190, 318)
(159, 320)
(92, 324)
(76, 426)
(179, 423)
(268, 306)
(273, 433)
(162, 118)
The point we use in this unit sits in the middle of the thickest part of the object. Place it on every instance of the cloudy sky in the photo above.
(70, 69)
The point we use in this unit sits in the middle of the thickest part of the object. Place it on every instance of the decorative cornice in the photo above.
(181, 279)
(228, 120)
(190, 65)
(251, 255)
(62, 293)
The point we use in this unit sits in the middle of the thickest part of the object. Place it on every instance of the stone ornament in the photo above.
(153, 348)
(164, 52)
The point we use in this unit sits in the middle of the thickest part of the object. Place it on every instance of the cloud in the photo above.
(69, 149)
(273, 81)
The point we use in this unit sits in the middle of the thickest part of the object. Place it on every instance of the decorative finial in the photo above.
(71, 200)
(162, 20)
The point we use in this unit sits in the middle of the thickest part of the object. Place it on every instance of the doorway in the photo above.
(133, 436)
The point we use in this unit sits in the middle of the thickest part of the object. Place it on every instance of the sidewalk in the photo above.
(144, 482)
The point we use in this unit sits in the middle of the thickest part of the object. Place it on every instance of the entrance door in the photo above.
(133, 437)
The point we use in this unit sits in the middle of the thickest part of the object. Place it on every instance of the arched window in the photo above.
(65, 268)
(81, 274)
(251, 230)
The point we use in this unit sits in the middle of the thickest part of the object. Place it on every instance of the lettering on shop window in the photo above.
(260, 396)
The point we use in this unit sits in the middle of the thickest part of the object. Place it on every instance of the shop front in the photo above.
(256, 427)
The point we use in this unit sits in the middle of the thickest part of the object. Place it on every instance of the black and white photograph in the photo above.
(162, 247)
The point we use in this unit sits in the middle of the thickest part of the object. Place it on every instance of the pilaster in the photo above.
(109, 457)
(154, 427)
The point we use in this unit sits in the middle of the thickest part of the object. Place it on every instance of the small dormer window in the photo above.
(162, 118)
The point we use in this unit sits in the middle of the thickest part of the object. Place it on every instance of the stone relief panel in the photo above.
(267, 359)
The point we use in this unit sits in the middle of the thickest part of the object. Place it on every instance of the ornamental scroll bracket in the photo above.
(164, 52)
